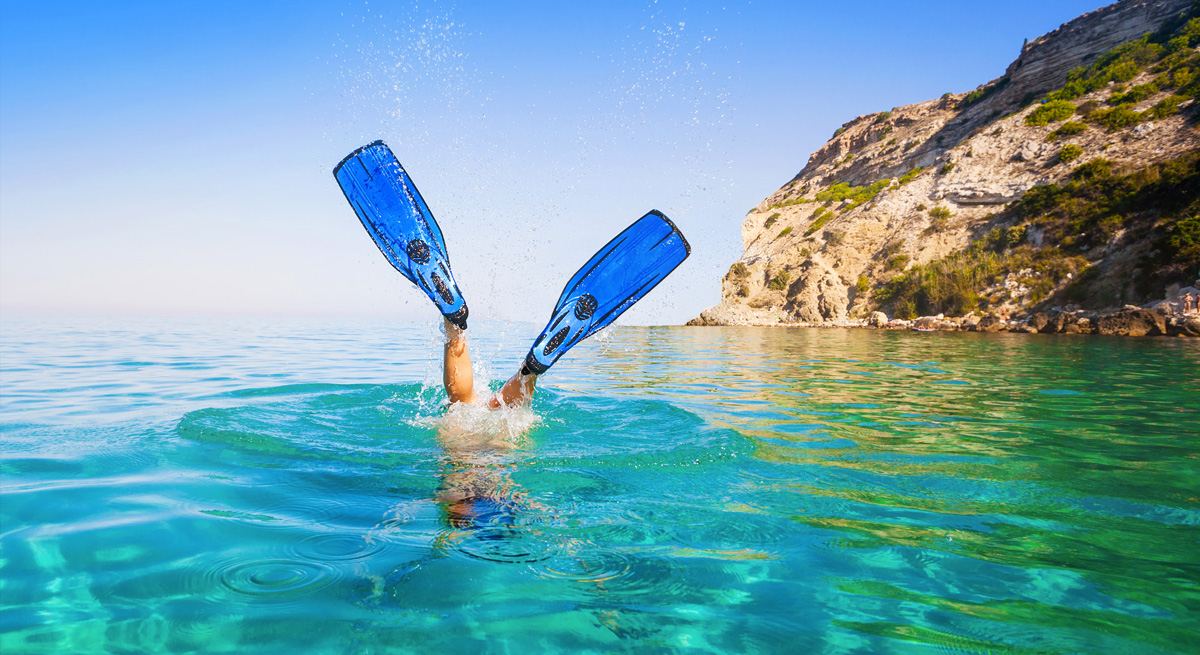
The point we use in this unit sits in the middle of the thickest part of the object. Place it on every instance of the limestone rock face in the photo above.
(818, 294)
(936, 174)
(877, 319)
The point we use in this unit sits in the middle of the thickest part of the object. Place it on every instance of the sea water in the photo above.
(296, 486)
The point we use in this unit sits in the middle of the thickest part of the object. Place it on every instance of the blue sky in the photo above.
(175, 157)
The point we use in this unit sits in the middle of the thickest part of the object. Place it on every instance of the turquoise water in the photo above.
(293, 486)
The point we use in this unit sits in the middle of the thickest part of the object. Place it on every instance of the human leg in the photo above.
(517, 391)
(457, 375)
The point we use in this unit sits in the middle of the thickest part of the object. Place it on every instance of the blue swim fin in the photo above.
(390, 207)
(613, 279)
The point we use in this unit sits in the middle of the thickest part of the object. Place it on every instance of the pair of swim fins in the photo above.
(398, 220)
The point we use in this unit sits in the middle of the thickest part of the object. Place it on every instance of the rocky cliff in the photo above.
(1094, 109)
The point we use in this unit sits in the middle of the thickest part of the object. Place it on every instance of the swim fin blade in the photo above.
(614, 279)
(398, 220)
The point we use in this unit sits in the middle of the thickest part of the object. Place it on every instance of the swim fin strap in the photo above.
(398, 220)
(613, 279)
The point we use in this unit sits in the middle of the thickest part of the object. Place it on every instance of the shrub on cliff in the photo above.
(821, 217)
(780, 281)
(1168, 106)
(1184, 242)
(938, 218)
(1157, 204)
(771, 220)
(1050, 112)
(1134, 95)
(783, 233)
(1115, 118)
(1070, 153)
(1069, 128)
(857, 195)
(1169, 51)
(908, 177)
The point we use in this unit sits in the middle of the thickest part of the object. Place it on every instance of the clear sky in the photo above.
(175, 157)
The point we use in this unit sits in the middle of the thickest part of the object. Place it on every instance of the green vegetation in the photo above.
(946, 168)
(1183, 240)
(857, 195)
(1159, 203)
(835, 238)
(737, 272)
(1115, 118)
(838, 132)
(771, 220)
(908, 177)
(1069, 128)
(783, 233)
(1134, 95)
(1050, 112)
(1002, 238)
(953, 284)
(862, 284)
(780, 281)
(938, 217)
(1070, 153)
(891, 249)
(883, 116)
(743, 290)
(909, 145)
(940, 213)
(1169, 51)
(790, 203)
(820, 218)
(978, 95)
(897, 263)
(891, 142)
(805, 252)
(1168, 106)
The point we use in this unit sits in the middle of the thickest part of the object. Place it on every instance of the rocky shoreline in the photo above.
(1160, 318)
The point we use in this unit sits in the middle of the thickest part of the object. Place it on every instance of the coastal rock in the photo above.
(991, 324)
(1066, 322)
(1132, 322)
(1184, 326)
(820, 295)
(918, 183)
(877, 320)
(1039, 322)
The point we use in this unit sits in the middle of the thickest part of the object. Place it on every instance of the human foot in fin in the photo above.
(394, 214)
(615, 278)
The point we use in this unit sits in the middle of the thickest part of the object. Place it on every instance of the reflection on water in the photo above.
(212, 487)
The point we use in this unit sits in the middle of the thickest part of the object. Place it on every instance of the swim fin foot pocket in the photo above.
(400, 223)
(613, 280)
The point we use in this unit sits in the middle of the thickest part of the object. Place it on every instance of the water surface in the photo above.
(292, 486)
